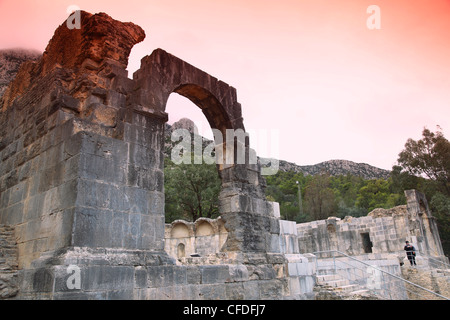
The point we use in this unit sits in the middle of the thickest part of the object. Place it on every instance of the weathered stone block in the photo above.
(193, 275)
(270, 289)
(251, 290)
(212, 292)
(160, 276)
(42, 280)
(64, 102)
(238, 273)
(95, 278)
(214, 274)
(235, 291)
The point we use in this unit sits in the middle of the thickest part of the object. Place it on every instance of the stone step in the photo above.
(328, 277)
(347, 288)
(336, 283)
(360, 292)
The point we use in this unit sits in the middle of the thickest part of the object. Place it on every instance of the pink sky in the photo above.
(310, 69)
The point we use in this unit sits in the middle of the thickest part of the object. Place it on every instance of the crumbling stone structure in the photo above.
(81, 176)
(381, 231)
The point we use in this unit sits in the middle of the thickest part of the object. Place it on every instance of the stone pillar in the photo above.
(250, 219)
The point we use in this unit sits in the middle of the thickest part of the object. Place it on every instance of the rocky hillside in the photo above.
(333, 167)
(10, 61)
(338, 167)
(183, 123)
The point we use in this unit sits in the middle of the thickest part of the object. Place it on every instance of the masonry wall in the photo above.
(38, 179)
(81, 178)
(8, 263)
(349, 235)
(381, 231)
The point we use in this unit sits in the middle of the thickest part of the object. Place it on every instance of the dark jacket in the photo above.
(410, 251)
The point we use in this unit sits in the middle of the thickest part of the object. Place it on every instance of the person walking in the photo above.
(410, 253)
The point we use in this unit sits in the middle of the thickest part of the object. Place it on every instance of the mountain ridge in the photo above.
(333, 167)
(337, 167)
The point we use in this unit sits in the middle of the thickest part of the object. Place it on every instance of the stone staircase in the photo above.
(336, 287)
(8, 263)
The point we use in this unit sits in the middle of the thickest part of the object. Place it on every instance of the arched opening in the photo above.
(179, 230)
(162, 74)
(366, 242)
(204, 229)
(191, 189)
(181, 251)
(209, 105)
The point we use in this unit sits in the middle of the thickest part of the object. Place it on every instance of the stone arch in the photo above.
(162, 73)
(242, 201)
(181, 251)
(180, 230)
(203, 228)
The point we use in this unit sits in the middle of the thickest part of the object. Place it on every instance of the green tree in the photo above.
(191, 191)
(346, 190)
(320, 200)
(429, 156)
(425, 165)
(282, 188)
(376, 194)
(440, 205)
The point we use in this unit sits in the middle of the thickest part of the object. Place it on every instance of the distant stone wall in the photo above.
(353, 236)
(381, 231)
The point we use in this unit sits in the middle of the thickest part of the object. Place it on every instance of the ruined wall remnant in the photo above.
(81, 176)
(381, 231)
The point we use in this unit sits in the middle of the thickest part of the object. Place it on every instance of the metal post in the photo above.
(300, 198)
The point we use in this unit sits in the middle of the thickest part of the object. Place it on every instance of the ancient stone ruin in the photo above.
(381, 231)
(82, 186)
(82, 175)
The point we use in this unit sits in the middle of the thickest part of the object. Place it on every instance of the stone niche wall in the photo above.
(81, 176)
(200, 238)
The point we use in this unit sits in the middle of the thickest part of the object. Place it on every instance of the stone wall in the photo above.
(81, 177)
(301, 268)
(381, 231)
(8, 263)
(202, 241)
(435, 280)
